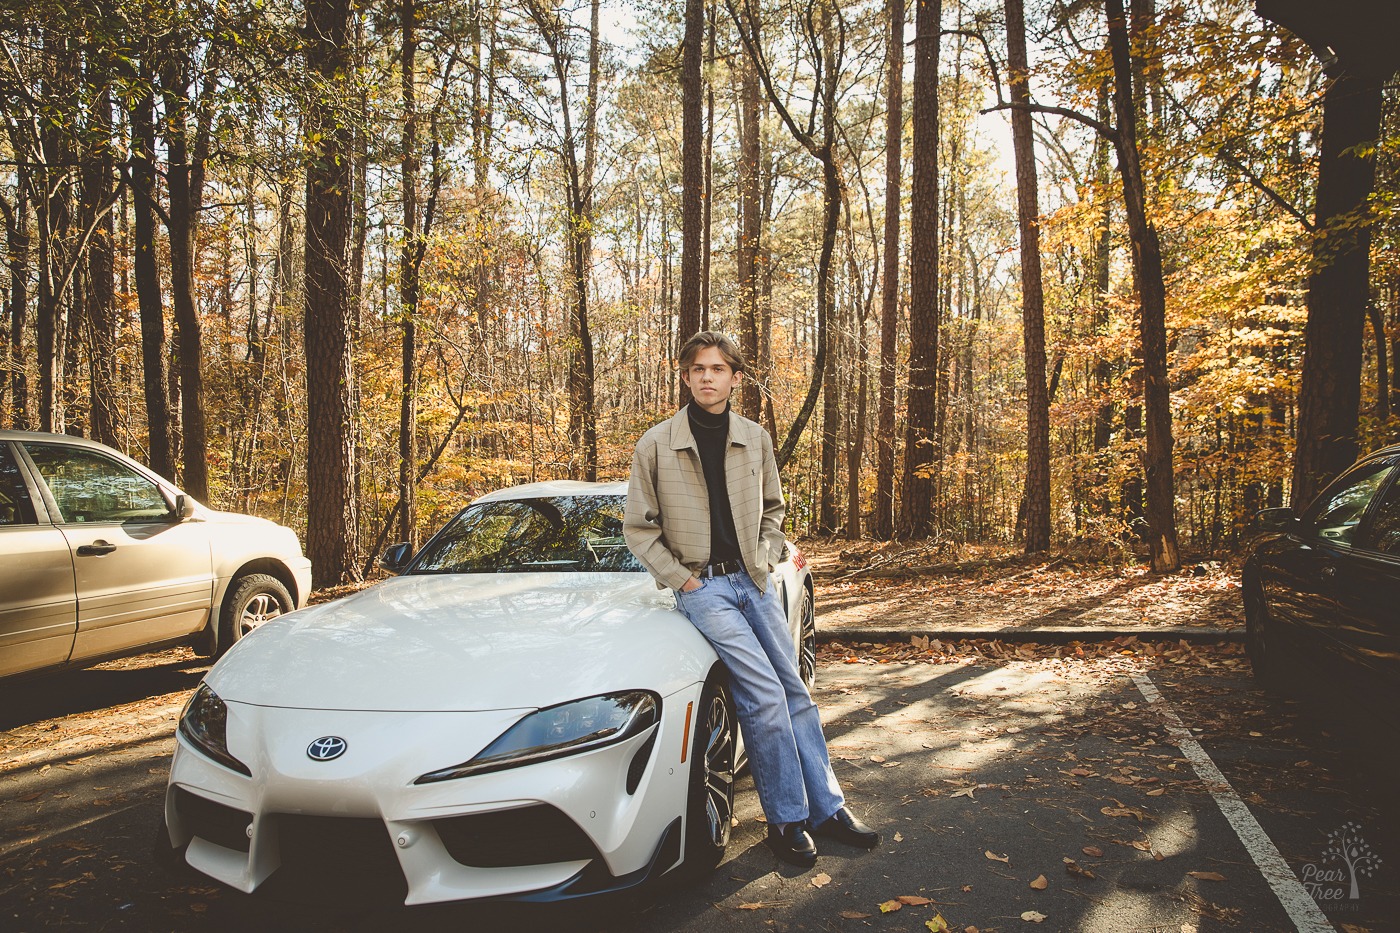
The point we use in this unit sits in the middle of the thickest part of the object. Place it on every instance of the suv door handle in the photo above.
(96, 549)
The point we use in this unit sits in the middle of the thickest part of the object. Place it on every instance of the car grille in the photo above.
(538, 835)
(213, 822)
(329, 854)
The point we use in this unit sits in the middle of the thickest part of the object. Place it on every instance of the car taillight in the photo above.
(799, 560)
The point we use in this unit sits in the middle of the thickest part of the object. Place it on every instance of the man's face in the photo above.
(711, 379)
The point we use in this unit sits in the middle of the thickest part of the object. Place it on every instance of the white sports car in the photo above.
(520, 713)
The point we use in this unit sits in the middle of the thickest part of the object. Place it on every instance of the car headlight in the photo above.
(204, 723)
(556, 731)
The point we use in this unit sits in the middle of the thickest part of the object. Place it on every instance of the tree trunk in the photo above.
(147, 278)
(408, 278)
(750, 171)
(185, 179)
(1147, 264)
(101, 315)
(1099, 270)
(1329, 397)
(1037, 492)
(330, 507)
(692, 173)
(17, 242)
(882, 516)
(921, 457)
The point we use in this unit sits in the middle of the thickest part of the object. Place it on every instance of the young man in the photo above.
(705, 515)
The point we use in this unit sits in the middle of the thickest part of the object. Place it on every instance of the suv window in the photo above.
(15, 507)
(90, 488)
(1336, 515)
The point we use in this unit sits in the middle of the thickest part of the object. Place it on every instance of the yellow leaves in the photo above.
(890, 906)
(937, 924)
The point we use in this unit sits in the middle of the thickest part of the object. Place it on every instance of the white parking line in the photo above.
(1300, 907)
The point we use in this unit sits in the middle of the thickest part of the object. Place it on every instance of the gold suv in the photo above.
(100, 557)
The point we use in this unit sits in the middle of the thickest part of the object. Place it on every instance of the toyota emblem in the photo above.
(326, 748)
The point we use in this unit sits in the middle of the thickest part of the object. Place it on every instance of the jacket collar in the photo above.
(741, 431)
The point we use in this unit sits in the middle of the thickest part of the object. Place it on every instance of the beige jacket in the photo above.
(667, 522)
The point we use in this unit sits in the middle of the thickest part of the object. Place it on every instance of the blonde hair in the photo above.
(712, 338)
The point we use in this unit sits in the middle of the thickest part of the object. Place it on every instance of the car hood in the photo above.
(464, 642)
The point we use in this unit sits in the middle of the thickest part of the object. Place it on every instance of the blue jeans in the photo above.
(782, 728)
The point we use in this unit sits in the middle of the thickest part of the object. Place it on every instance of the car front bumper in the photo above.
(550, 830)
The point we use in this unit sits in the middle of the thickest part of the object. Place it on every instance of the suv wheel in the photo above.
(251, 601)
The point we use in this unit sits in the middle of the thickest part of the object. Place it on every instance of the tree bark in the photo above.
(331, 509)
(1037, 492)
(921, 457)
(409, 278)
(750, 171)
(101, 314)
(17, 243)
(692, 174)
(1147, 264)
(185, 178)
(1329, 397)
(882, 516)
(147, 278)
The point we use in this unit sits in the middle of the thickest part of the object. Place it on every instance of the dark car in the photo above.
(1322, 591)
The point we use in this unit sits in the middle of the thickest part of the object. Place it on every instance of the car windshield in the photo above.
(560, 533)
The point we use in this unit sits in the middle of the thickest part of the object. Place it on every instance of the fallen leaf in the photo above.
(889, 907)
(27, 798)
(891, 764)
(1207, 875)
(1123, 811)
(913, 900)
(1157, 792)
(877, 758)
(1142, 845)
(1095, 851)
(1040, 884)
(821, 880)
(898, 837)
(853, 915)
(1034, 916)
(966, 889)
(937, 924)
(997, 858)
(754, 906)
(965, 792)
(1074, 868)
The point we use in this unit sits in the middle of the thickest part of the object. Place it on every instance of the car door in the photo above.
(38, 606)
(141, 577)
(1368, 594)
(1300, 573)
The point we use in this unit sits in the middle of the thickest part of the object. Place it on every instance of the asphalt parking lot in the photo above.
(1022, 792)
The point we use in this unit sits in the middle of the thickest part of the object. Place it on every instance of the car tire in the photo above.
(807, 642)
(710, 804)
(1262, 643)
(251, 601)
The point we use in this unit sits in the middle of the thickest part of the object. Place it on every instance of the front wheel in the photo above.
(1261, 642)
(710, 808)
(251, 601)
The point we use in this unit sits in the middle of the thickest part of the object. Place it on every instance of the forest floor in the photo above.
(926, 588)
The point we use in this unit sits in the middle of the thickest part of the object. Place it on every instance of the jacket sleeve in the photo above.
(641, 522)
(770, 526)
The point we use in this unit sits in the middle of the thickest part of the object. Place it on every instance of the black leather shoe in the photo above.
(844, 827)
(793, 845)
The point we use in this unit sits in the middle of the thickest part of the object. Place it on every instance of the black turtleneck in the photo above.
(712, 439)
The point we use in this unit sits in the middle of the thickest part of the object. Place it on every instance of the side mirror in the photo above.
(1275, 519)
(396, 557)
(184, 508)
